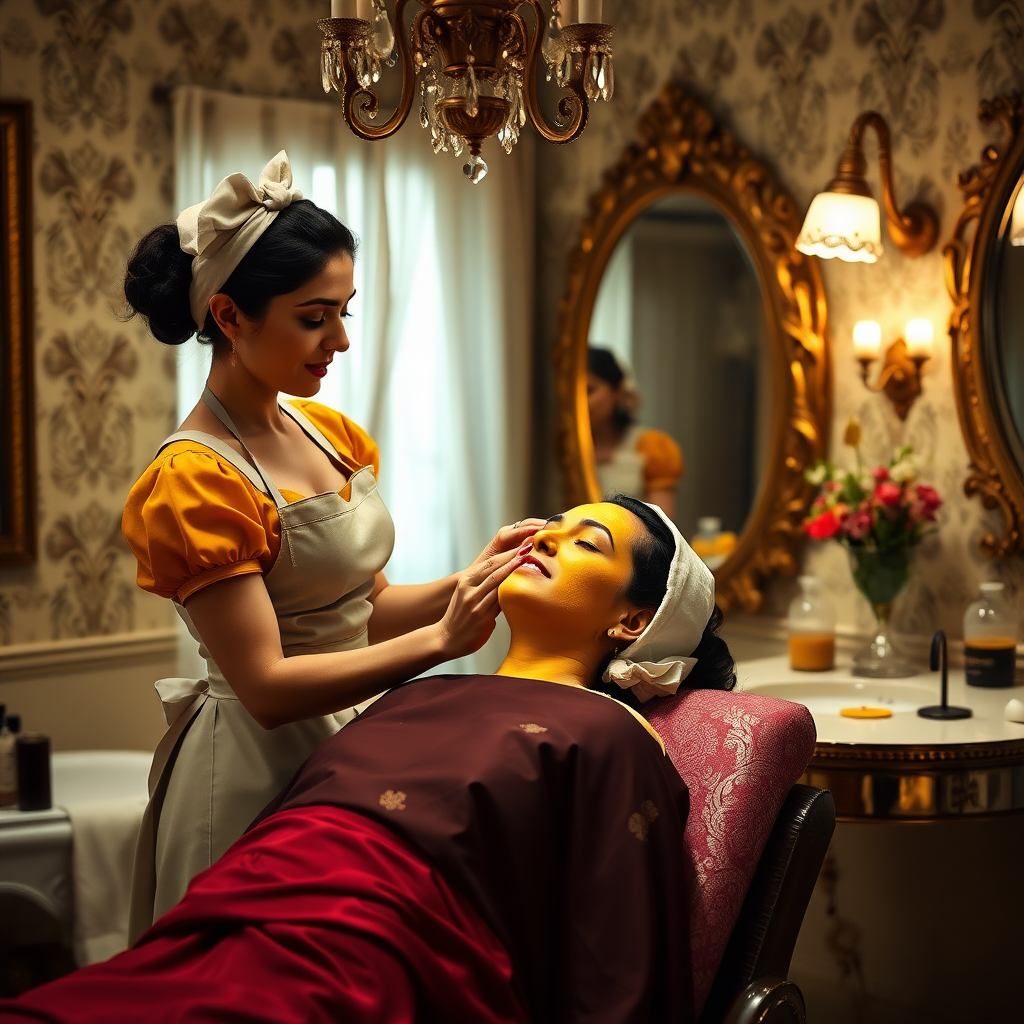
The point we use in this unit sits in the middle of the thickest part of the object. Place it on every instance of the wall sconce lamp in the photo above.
(900, 376)
(843, 220)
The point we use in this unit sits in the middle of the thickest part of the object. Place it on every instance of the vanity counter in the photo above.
(905, 767)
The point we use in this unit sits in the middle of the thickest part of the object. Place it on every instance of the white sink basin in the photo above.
(88, 776)
(825, 694)
(829, 698)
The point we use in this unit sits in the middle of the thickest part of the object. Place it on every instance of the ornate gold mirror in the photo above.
(985, 275)
(17, 466)
(686, 270)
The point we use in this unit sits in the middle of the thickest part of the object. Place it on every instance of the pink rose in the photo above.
(921, 513)
(824, 526)
(929, 496)
(880, 474)
(858, 524)
(889, 494)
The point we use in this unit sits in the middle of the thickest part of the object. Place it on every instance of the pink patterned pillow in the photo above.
(739, 754)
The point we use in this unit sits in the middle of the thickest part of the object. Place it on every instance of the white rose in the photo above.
(817, 474)
(906, 469)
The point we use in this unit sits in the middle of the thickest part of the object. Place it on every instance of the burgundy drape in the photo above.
(316, 915)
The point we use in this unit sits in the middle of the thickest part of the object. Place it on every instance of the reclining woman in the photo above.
(471, 848)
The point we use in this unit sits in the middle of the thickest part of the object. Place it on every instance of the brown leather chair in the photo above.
(751, 984)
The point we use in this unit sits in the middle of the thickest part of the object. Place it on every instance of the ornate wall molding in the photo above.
(682, 148)
(995, 477)
(86, 653)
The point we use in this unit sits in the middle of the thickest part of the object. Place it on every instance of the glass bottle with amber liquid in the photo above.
(812, 628)
(990, 639)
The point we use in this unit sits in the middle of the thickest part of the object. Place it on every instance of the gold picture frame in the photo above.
(683, 148)
(17, 434)
(995, 475)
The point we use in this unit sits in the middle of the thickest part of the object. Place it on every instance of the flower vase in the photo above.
(881, 576)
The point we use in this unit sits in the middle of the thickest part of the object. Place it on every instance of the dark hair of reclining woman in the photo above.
(476, 849)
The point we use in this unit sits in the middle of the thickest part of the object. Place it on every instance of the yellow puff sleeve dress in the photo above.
(202, 513)
(646, 460)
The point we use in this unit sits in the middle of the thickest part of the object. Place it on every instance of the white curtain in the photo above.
(438, 372)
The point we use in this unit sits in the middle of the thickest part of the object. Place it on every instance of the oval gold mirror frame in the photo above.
(682, 148)
(994, 476)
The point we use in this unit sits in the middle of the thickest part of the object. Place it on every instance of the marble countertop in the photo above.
(825, 693)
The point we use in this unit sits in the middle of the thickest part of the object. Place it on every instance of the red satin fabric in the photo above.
(317, 914)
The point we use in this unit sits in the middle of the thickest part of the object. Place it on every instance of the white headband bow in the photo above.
(220, 230)
(659, 659)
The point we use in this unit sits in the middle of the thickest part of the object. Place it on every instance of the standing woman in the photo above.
(262, 522)
(630, 459)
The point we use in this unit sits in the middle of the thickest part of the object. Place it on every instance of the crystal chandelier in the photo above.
(477, 65)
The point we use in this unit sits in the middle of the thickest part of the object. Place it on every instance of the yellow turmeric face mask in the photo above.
(572, 585)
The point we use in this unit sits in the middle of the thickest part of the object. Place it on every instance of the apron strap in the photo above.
(314, 433)
(213, 403)
(225, 451)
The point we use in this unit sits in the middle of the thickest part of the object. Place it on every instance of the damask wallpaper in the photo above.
(790, 76)
(98, 73)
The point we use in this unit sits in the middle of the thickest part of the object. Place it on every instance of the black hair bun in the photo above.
(715, 668)
(156, 285)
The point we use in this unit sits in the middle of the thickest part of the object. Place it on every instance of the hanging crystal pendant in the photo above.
(592, 70)
(552, 49)
(472, 91)
(325, 66)
(475, 169)
(608, 73)
(383, 35)
(458, 144)
(564, 71)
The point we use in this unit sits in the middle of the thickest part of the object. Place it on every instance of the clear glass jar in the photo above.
(990, 639)
(812, 628)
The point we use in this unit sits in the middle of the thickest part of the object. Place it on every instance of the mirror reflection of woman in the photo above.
(262, 522)
(630, 459)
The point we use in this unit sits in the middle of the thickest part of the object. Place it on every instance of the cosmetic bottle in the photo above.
(8, 758)
(34, 789)
(990, 639)
(812, 628)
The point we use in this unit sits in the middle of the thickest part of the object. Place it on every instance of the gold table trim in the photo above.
(909, 783)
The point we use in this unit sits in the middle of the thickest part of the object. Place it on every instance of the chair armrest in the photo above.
(768, 1001)
(762, 941)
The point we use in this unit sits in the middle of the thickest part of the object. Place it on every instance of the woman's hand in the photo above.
(509, 538)
(473, 609)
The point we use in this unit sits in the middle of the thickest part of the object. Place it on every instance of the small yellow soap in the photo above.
(866, 713)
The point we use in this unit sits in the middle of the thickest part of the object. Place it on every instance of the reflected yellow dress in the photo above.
(646, 460)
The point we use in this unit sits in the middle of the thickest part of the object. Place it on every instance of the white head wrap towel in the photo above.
(219, 231)
(659, 659)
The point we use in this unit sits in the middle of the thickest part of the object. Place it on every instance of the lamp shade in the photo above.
(843, 225)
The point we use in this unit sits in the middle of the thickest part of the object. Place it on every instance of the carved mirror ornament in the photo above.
(683, 150)
(972, 259)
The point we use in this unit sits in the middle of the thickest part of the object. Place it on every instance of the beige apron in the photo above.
(623, 473)
(215, 768)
